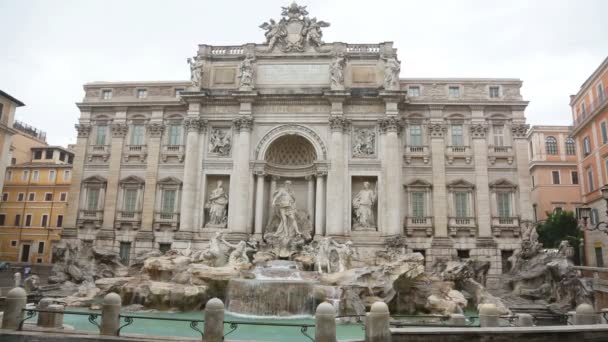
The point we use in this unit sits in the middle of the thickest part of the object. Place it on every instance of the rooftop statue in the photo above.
(295, 31)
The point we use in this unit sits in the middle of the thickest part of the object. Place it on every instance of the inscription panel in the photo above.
(293, 74)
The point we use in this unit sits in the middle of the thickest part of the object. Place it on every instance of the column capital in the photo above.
(83, 130)
(389, 124)
(338, 123)
(155, 129)
(259, 173)
(308, 177)
(194, 124)
(437, 130)
(519, 130)
(244, 123)
(321, 174)
(478, 131)
(119, 130)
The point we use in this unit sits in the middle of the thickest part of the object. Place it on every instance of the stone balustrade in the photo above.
(422, 224)
(455, 152)
(168, 219)
(421, 152)
(98, 151)
(500, 152)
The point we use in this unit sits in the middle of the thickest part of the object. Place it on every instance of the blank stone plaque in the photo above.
(293, 74)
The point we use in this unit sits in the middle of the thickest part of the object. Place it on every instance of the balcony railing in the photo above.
(596, 105)
(503, 224)
(139, 151)
(422, 224)
(363, 48)
(91, 216)
(102, 151)
(173, 151)
(500, 152)
(421, 152)
(166, 219)
(453, 152)
(466, 225)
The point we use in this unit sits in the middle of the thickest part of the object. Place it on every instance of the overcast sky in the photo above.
(50, 48)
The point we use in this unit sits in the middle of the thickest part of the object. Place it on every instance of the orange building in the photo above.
(34, 204)
(554, 172)
(8, 105)
(590, 131)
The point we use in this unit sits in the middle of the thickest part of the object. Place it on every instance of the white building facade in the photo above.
(440, 163)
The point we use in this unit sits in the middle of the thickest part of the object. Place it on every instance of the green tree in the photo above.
(559, 226)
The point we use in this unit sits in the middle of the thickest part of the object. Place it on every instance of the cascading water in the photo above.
(278, 289)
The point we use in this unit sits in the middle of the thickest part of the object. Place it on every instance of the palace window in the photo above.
(63, 196)
(17, 220)
(168, 191)
(93, 199)
(583, 110)
(164, 247)
(31, 197)
(418, 204)
(59, 221)
(5, 197)
(52, 174)
(600, 92)
(574, 175)
(551, 145)
(48, 196)
(570, 147)
(130, 200)
(499, 135)
(35, 175)
(93, 192)
(168, 201)
(414, 91)
(28, 220)
(461, 204)
(460, 194)
(503, 202)
(37, 155)
(20, 197)
(40, 247)
(101, 133)
(132, 190)
(9, 175)
(174, 135)
(44, 221)
(494, 92)
(106, 94)
(66, 175)
(415, 135)
(2, 219)
(555, 177)
(503, 194)
(419, 198)
(125, 252)
(457, 135)
(142, 93)
(604, 130)
(454, 91)
(137, 135)
(586, 146)
(590, 182)
(48, 154)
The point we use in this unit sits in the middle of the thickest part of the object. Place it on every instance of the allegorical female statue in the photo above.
(363, 207)
(217, 203)
(284, 201)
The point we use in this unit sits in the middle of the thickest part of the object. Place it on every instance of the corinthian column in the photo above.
(310, 204)
(320, 205)
(518, 131)
(189, 190)
(119, 131)
(440, 212)
(480, 150)
(155, 132)
(259, 204)
(75, 186)
(335, 178)
(241, 174)
(391, 163)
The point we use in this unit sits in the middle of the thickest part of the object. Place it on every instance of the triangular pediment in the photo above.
(502, 183)
(132, 180)
(95, 180)
(170, 181)
(461, 184)
(419, 183)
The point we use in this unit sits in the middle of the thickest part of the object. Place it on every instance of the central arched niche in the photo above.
(291, 150)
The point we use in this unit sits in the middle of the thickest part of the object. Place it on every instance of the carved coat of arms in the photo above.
(295, 31)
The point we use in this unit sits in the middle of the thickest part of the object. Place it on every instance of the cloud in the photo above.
(52, 48)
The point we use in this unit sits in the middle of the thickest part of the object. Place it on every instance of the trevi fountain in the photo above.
(381, 222)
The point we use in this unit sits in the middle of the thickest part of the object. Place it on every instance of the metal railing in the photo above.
(31, 313)
(193, 323)
(591, 110)
(234, 325)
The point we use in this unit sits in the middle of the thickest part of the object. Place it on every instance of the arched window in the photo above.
(570, 149)
(551, 145)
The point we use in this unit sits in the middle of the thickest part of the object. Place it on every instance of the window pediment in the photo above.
(94, 180)
(460, 184)
(134, 180)
(419, 184)
(502, 183)
(170, 181)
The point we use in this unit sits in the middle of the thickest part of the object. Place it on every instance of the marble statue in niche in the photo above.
(392, 68)
(246, 73)
(196, 71)
(364, 145)
(219, 142)
(284, 202)
(216, 204)
(363, 207)
(336, 70)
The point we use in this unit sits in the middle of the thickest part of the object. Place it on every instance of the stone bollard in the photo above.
(377, 327)
(457, 319)
(214, 320)
(110, 314)
(44, 317)
(17, 279)
(488, 315)
(15, 303)
(585, 314)
(325, 323)
(525, 320)
(56, 319)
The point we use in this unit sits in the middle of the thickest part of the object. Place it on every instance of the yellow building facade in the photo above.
(34, 204)
(8, 105)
